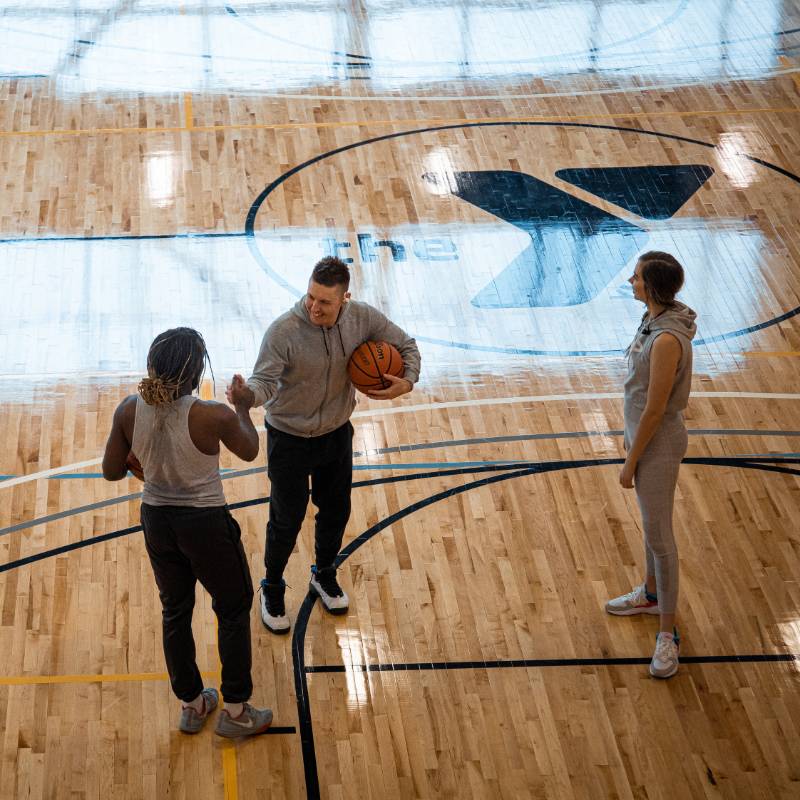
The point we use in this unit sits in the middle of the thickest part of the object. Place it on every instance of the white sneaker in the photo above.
(665, 658)
(635, 602)
(324, 584)
(273, 611)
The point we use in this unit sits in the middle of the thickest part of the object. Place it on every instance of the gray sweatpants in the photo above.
(655, 480)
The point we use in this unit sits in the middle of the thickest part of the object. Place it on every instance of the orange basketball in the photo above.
(370, 362)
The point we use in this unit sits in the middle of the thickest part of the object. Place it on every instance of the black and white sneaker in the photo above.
(324, 584)
(273, 611)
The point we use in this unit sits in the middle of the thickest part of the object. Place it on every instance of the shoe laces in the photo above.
(327, 580)
(274, 594)
(666, 648)
(636, 595)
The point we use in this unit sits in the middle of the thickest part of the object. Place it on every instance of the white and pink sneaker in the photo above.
(635, 602)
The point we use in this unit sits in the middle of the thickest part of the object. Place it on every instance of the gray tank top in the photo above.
(176, 472)
(637, 381)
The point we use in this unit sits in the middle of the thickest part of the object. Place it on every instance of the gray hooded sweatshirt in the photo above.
(678, 320)
(300, 376)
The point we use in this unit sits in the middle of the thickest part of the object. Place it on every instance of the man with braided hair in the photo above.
(170, 438)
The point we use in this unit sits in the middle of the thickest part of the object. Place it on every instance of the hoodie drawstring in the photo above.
(341, 341)
(325, 340)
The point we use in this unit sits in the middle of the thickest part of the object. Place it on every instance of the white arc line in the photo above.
(543, 398)
(366, 98)
(491, 401)
(35, 476)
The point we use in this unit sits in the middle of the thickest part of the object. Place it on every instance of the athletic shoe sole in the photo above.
(630, 612)
(337, 612)
(276, 631)
(663, 677)
(245, 732)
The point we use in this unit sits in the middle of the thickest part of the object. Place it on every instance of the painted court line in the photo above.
(35, 476)
(539, 663)
(378, 412)
(663, 87)
(34, 680)
(450, 468)
(365, 123)
(229, 772)
(302, 694)
(520, 437)
(536, 398)
(187, 111)
(369, 98)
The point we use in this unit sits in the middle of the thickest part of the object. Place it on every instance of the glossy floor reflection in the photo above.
(490, 170)
(103, 301)
(269, 46)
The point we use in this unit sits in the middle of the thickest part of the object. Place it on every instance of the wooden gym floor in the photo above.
(492, 169)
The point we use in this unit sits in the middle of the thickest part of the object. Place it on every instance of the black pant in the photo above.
(291, 460)
(187, 544)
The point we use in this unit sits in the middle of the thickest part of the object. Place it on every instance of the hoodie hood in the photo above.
(678, 318)
(299, 310)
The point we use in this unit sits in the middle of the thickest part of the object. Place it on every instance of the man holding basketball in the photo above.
(301, 378)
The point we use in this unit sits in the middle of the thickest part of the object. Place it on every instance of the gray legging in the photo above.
(655, 481)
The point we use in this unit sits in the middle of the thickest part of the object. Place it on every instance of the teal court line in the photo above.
(482, 440)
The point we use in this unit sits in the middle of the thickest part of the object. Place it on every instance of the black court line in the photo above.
(766, 463)
(32, 523)
(125, 237)
(403, 448)
(508, 472)
(527, 437)
(227, 475)
(303, 615)
(232, 506)
(283, 283)
(517, 663)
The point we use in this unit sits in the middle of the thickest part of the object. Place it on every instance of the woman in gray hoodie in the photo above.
(656, 393)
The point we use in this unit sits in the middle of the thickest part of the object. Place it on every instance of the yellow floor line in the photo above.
(230, 776)
(31, 680)
(187, 111)
(417, 123)
(229, 772)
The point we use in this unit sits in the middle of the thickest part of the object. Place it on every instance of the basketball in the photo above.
(370, 361)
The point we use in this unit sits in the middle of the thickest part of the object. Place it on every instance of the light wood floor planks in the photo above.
(476, 660)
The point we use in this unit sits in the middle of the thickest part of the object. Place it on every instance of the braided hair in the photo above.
(176, 358)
